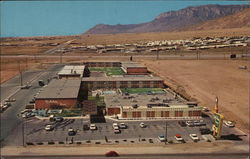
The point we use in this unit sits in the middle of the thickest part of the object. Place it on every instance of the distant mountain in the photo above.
(237, 20)
(173, 20)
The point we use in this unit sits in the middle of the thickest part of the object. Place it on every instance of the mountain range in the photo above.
(190, 18)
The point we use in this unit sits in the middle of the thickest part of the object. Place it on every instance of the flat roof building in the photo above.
(61, 93)
(123, 82)
(73, 71)
(133, 68)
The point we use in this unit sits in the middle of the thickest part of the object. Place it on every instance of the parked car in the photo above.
(205, 109)
(58, 118)
(123, 126)
(93, 127)
(86, 127)
(71, 132)
(142, 125)
(205, 131)
(25, 110)
(178, 137)
(194, 137)
(117, 131)
(48, 128)
(190, 123)
(111, 154)
(182, 123)
(10, 100)
(28, 115)
(229, 123)
(25, 86)
(115, 125)
(7, 104)
(162, 138)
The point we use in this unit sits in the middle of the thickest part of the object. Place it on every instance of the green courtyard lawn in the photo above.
(108, 70)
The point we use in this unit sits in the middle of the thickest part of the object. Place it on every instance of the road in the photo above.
(11, 88)
(141, 156)
(188, 56)
(51, 51)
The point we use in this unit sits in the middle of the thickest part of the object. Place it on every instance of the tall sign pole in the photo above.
(218, 120)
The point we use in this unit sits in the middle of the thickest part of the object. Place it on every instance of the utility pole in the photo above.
(26, 63)
(23, 132)
(157, 56)
(166, 133)
(21, 76)
(197, 53)
(61, 58)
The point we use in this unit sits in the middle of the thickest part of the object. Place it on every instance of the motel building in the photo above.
(155, 112)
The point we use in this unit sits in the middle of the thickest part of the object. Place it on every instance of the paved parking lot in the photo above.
(35, 132)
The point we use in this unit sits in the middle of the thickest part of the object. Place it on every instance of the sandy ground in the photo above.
(203, 80)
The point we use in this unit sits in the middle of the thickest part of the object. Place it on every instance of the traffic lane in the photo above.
(10, 86)
(14, 84)
(9, 119)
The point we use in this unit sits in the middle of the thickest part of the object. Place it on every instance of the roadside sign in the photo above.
(217, 126)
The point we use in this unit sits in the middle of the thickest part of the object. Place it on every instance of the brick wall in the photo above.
(55, 103)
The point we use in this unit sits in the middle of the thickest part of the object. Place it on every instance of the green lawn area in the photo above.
(108, 70)
(99, 101)
(143, 90)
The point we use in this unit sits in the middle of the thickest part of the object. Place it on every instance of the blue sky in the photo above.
(42, 18)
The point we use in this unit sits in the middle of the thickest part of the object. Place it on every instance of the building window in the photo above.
(124, 115)
(136, 114)
(150, 114)
(178, 113)
(164, 113)
(135, 84)
(194, 113)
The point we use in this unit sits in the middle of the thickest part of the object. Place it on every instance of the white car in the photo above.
(162, 138)
(48, 127)
(229, 124)
(115, 125)
(10, 100)
(194, 137)
(92, 127)
(178, 137)
(142, 125)
(123, 126)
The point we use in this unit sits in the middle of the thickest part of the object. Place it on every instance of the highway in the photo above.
(11, 88)
(51, 51)
(187, 56)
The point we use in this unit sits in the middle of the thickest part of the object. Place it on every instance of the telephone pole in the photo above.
(21, 76)
(61, 58)
(23, 132)
(166, 133)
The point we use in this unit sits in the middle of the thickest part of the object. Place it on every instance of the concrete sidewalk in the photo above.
(216, 147)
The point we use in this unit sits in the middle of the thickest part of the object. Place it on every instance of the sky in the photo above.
(47, 18)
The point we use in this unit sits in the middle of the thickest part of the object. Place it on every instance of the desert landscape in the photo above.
(203, 80)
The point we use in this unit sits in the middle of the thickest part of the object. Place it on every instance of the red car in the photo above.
(111, 154)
